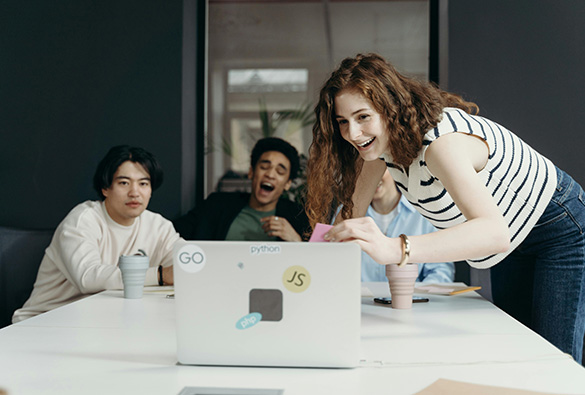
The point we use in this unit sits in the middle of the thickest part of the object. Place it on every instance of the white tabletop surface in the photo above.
(107, 344)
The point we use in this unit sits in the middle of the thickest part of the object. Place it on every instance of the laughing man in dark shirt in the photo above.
(262, 215)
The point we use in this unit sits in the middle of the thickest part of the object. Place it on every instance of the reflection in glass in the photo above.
(268, 60)
(267, 80)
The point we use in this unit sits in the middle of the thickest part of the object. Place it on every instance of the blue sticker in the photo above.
(249, 321)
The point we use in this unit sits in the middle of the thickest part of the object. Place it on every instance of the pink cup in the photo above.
(401, 281)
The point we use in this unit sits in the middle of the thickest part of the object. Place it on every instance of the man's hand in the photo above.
(167, 275)
(279, 227)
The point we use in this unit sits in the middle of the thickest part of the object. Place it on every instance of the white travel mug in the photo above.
(133, 268)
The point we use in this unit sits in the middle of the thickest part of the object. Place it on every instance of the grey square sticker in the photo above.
(267, 302)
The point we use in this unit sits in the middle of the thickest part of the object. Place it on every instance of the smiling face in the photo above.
(129, 194)
(270, 178)
(361, 125)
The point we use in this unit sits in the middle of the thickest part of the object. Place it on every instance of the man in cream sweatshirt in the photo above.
(83, 255)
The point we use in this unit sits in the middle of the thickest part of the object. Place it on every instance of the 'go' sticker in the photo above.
(248, 321)
(191, 258)
(296, 279)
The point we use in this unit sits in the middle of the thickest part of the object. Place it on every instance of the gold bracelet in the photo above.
(405, 250)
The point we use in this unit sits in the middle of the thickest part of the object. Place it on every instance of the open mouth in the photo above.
(266, 186)
(366, 143)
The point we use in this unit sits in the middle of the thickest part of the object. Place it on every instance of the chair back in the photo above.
(21, 251)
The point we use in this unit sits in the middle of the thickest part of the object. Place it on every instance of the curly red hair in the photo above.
(409, 107)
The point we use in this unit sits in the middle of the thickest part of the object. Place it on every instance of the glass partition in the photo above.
(268, 59)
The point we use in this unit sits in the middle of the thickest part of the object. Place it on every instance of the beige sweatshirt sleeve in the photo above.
(81, 246)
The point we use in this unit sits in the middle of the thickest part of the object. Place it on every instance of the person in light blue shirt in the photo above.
(395, 215)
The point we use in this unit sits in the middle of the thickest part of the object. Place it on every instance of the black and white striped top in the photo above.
(521, 180)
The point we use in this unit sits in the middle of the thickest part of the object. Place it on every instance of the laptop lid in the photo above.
(267, 303)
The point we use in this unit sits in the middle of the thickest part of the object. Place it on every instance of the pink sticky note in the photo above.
(319, 232)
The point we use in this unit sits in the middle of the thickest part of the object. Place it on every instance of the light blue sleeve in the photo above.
(436, 272)
(370, 269)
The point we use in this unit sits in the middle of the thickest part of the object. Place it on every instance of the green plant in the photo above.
(297, 119)
(283, 124)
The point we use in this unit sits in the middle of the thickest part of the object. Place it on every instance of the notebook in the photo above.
(281, 304)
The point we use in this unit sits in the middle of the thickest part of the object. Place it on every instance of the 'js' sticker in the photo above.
(296, 279)
(248, 321)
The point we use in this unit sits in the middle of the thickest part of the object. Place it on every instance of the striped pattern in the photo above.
(521, 180)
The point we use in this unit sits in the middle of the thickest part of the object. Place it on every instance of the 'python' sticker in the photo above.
(296, 279)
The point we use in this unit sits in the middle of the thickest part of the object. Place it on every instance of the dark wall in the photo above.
(77, 77)
(523, 63)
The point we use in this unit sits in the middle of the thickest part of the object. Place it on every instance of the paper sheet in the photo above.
(319, 232)
(444, 289)
(451, 387)
(366, 293)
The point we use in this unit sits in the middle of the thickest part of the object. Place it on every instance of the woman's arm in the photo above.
(455, 160)
(365, 187)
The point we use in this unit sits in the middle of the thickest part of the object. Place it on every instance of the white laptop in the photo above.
(267, 303)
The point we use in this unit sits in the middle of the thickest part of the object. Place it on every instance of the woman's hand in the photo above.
(367, 235)
(279, 227)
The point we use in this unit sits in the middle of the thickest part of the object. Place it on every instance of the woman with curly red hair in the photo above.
(494, 199)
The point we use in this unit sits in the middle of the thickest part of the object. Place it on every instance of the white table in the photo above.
(106, 344)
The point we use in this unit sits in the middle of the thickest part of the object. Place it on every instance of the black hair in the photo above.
(276, 144)
(104, 174)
